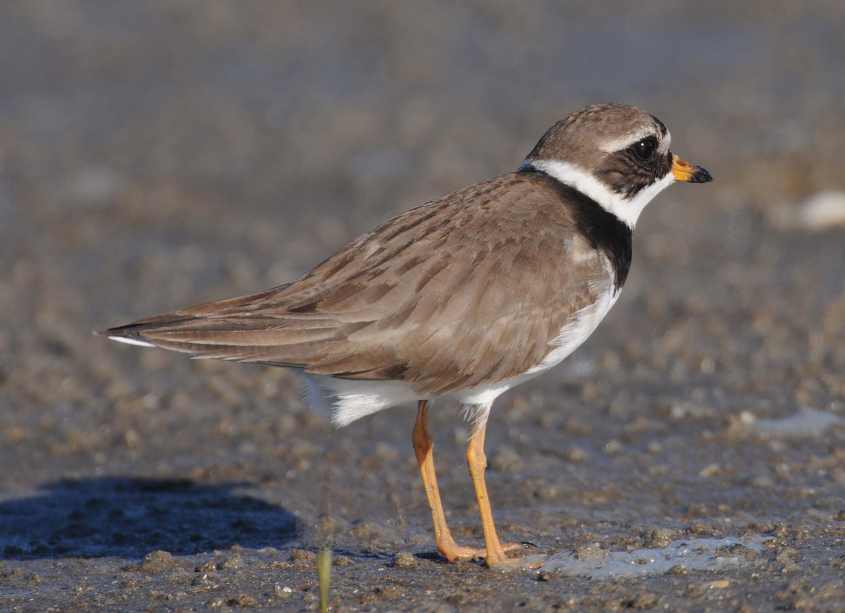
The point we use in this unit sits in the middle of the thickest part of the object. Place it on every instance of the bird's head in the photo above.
(617, 155)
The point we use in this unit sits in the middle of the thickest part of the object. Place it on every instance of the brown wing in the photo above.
(430, 297)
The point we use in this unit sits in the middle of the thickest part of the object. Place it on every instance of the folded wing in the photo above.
(429, 297)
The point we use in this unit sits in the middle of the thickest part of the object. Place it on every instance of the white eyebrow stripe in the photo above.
(623, 142)
(629, 139)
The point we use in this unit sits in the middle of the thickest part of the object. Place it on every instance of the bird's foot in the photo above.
(454, 552)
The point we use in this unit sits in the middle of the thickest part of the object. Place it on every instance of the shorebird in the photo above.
(463, 297)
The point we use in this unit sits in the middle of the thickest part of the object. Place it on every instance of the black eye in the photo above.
(644, 149)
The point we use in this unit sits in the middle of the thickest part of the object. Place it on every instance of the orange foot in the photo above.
(454, 552)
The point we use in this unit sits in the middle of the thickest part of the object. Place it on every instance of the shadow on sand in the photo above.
(127, 517)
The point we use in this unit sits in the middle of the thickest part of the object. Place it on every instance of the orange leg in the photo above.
(477, 461)
(424, 449)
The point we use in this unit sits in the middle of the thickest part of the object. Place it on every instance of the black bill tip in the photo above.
(700, 175)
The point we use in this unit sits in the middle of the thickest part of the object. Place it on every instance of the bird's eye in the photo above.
(644, 149)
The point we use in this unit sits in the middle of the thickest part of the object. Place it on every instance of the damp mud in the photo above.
(689, 457)
(678, 557)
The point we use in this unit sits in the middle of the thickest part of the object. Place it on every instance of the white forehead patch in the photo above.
(626, 210)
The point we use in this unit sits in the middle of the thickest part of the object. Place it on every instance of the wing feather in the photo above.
(430, 297)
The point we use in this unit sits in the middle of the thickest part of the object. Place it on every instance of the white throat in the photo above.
(626, 210)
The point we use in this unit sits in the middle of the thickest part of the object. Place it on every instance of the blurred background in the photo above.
(158, 154)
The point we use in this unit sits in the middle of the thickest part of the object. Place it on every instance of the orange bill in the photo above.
(689, 173)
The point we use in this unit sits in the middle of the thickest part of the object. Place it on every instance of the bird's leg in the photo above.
(477, 461)
(424, 450)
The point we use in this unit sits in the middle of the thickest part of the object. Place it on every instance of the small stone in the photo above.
(658, 538)
(282, 591)
(709, 471)
(206, 567)
(575, 455)
(301, 554)
(242, 600)
(157, 561)
(698, 528)
(403, 559)
(233, 562)
(341, 561)
(302, 557)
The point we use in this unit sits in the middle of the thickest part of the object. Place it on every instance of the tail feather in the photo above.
(295, 342)
(133, 334)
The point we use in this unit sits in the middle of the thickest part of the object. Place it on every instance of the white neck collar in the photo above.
(626, 210)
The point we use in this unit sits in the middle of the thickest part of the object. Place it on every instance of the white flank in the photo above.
(626, 210)
(350, 400)
(131, 341)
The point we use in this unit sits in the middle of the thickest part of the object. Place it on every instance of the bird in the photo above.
(461, 298)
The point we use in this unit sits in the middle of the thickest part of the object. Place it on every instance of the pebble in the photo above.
(403, 559)
(657, 538)
(157, 561)
(302, 555)
(575, 455)
(710, 470)
(233, 562)
(242, 600)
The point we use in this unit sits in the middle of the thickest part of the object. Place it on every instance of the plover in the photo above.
(464, 297)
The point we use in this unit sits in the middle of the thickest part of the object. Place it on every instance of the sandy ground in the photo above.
(158, 154)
